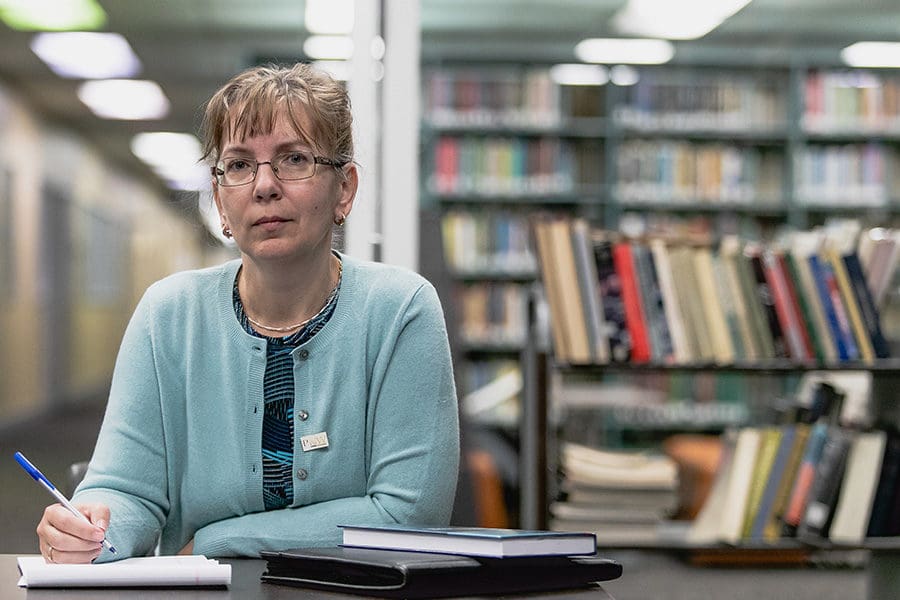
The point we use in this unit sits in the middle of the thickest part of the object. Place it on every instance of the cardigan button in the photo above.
(302, 474)
(303, 354)
(302, 415)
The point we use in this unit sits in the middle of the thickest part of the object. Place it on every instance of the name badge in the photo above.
(314, 441)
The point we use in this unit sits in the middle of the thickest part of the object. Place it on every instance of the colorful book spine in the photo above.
(631, 299)
(867, 308)
(780, 465)
(834, 308)
(805, 475)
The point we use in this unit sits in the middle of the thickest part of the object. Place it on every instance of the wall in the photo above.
(82, 242)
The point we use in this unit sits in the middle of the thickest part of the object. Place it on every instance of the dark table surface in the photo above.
(245, 585)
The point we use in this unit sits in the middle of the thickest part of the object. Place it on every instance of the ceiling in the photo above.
(190, 47)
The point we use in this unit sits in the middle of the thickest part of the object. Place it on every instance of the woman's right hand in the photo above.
(64, 538)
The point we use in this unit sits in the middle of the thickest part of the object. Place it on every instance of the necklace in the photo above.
(328, 300)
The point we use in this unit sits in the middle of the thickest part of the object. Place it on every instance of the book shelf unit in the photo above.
(540, 437)
(741, 150)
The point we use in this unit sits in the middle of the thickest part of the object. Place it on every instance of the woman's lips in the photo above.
(270, 223)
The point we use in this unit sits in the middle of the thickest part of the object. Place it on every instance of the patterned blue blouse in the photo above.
(278, 392)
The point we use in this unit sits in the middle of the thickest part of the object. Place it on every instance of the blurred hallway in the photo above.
(52, 443)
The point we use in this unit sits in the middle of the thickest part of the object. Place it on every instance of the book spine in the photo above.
(589, 289)
(803, 483)
(826, 484)
(837, 320)
(620, 343)
(868, 310)
(766, 299)
(652, 301)
(886, 494)
(770, 490)
(781, 301)
(857, 328)
(634, 312)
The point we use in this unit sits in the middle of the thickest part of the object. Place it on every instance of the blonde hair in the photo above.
(251, 102)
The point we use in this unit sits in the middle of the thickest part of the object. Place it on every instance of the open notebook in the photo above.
(155, 571)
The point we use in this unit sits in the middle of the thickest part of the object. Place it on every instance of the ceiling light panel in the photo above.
(86, 55)
(125, 99)
(682, 20)
(872, 54)
(625, 51)
(52, 15)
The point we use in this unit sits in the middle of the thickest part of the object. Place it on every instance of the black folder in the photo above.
(399, 574)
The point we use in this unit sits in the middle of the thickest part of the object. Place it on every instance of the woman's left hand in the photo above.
(188, 549)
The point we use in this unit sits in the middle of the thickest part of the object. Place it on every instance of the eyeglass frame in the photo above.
(317, 160)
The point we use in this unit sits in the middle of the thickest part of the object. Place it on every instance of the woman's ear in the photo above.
(349, 183)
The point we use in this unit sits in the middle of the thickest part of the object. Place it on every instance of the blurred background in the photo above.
(102, 191)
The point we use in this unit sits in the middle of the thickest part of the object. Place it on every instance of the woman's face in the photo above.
(278, 220)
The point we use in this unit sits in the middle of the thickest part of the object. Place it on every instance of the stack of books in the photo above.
(440, 562)
(622, 496)
(815, 479)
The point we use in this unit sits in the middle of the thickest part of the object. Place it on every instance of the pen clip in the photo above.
(32, 470)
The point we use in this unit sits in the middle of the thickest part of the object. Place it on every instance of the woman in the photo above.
(259, 404)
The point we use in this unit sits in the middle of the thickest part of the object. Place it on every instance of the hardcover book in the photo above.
(470, 541)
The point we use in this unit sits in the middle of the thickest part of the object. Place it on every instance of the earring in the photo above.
(226, 231)
(339, 220)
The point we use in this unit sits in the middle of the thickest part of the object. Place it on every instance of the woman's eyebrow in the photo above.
(279, 148)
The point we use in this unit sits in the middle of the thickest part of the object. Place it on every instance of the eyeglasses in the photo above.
(289, 166)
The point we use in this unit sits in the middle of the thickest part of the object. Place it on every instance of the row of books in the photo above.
(480, 165)
(488, 242)
(687, 171)
(809, 481)
(724, 102)
(491, 98)
(622, 496)
(493, 313)
(851, 100)
(807, 299)
(838, 174)
(833, 101)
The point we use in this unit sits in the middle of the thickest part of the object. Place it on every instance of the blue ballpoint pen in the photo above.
(39, 477)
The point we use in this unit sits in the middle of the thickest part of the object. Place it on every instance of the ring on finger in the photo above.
(50, 553)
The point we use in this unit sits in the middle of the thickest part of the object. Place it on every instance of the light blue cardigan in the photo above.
(178, 455)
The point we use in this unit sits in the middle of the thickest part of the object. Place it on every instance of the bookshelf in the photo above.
(694, 149)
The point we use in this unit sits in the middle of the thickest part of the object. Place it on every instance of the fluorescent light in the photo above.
(872, 54)
(579, 74)
(175, 157)
(86, 55)
(329, 16)
(328, 47)
(682, 20)
(166, 147)
(623, 75)
(628, 51)
(127, 99)
(52, 15)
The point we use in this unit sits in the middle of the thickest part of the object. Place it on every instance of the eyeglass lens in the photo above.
(287, 167)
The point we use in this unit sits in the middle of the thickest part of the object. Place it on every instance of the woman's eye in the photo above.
(296, 158)
(237, 164)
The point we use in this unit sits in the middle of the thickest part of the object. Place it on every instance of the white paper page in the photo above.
(141, 571)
